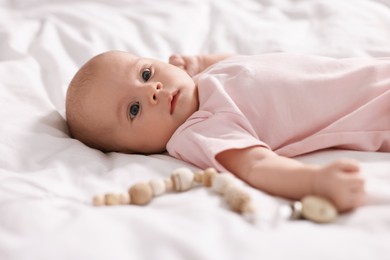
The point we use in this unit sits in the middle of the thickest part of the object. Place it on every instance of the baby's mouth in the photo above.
(175, 96)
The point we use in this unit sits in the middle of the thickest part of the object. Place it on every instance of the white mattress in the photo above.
(47, 179)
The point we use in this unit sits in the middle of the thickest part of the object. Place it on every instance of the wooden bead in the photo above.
(140, 193)
(98, 200)
(111, 199)
(220, 183)
(124, 198)
(168, 184)
(296, 210)
(247, 208)
(158, 186)
(208, 176)
(182, 179)
(318, 209)
(198, 176)
(248, 212)
(210, 170)
(237, 199)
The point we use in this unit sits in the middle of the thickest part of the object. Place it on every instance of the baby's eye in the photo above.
(146, 73)
(134, 109)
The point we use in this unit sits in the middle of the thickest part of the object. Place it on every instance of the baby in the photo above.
(244, 114)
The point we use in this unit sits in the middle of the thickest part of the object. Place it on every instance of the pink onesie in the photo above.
(290, 103)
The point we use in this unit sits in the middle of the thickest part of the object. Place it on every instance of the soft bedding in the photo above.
(47, 179)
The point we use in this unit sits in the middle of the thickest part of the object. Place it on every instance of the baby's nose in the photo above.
(154, 90)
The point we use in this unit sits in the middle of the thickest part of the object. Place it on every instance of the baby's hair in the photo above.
(79, 126)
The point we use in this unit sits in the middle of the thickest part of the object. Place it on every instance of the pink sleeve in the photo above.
(201, 141)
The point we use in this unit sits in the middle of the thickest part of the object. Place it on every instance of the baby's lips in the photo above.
(173, 100)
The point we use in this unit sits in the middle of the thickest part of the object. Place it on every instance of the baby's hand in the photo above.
(342, 183)
(191, 64)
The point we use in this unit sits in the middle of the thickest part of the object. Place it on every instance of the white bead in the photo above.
(158, 186)
(182, 179)
(220, 183)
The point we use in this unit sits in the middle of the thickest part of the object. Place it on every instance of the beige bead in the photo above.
(237, 199)
(182, 179)
(158, 186)
(318, 209)
(124, 198)
(247, 208)
(198, 176)
(208, 176)
(98, 200)
(140, 193)
(220, 183)
(111, 199)
(168, 184)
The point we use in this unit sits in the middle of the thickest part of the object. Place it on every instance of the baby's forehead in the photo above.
(113, 63)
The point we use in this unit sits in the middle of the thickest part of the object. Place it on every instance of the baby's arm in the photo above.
(196, 64)
(339, 181)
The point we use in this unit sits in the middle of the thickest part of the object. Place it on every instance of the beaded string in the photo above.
(313, 208)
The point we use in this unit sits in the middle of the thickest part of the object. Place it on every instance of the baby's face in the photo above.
(142, 100)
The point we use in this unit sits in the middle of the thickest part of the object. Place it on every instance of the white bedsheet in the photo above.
(48, 179)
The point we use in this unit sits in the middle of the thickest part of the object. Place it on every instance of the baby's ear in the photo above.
(177, 60)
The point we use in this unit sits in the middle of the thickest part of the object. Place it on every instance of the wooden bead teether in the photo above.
(312, 208)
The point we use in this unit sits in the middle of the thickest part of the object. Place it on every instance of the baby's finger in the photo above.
(347, 165)
(358, 185)
(177, 60)
(174, 57)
